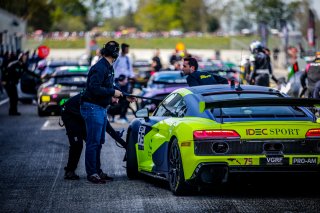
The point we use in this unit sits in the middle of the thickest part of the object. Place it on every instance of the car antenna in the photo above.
(239, 80)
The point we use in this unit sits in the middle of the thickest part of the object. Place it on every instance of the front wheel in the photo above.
(176, 174)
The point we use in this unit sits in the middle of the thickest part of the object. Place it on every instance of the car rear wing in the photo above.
(247, 102)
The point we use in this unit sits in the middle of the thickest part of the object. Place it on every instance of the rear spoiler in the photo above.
(229, 103)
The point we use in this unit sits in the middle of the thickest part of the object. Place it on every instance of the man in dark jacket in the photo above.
(11, 79)
(76, 131)
(260, 66)
(197, 78)
(98, 95)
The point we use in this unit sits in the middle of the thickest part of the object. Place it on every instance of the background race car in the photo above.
(159, 86)
(202, 135)
(64, 83)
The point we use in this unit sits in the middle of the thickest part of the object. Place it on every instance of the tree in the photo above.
(35, 12)
(273, 11)
(213, 24)
(157, 16)
(66, 11)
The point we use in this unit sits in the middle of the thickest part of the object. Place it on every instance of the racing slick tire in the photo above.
(132, 162)
(176, 174)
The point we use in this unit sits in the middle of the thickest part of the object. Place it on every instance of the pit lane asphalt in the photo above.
(33, 153)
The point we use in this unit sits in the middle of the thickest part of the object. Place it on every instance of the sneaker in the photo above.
(95, 178)
(105, 177)
(71, 175)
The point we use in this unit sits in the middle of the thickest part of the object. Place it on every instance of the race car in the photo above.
(64, 83)
(200, 135)
(159, 86)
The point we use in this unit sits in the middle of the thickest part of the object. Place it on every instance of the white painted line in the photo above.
(4, 101)
(51, 125)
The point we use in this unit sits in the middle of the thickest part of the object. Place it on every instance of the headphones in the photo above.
(111, 49)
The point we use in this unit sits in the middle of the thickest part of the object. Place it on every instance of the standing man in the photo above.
(261, 69)
(76, 131)
(123, 67)
(197, 78)
(97, 96)
(11, 78)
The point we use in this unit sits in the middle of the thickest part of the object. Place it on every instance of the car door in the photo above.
(158, 137)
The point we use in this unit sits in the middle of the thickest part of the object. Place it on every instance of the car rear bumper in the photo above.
(208, 173)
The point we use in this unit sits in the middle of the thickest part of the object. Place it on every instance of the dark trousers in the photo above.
(262, 80)
(75, 149)
(76, 132)
(13, 97)
(124, 107)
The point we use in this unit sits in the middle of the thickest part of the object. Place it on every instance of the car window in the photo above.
(254, 111)
(169, 105)
(71, 80)
(181, 108)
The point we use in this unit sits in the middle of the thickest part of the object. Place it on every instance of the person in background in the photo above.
(156, 62)
(123, 66)
(76, 131)
(260, 65)
(96, 58)
(197, 78)
(312, 75)
(10, 80)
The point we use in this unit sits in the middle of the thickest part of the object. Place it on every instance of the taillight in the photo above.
(313, 133)
(215, 134)
(51, 90)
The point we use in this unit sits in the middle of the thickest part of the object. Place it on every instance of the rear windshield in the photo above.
(71, 80)
(254, 111)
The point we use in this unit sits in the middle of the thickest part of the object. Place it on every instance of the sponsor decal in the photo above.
(204, 76)
(303, 161)
(141, 134)
(257, 131)
(274, 161)
(273, 131)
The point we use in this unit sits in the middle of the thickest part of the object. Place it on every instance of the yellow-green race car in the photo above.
(199, 135)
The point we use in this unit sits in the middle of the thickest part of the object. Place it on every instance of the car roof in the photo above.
(65, 63)
(226, 88)
(71, 70)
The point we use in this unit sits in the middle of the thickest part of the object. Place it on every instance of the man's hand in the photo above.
(117, 94)
(131, 99)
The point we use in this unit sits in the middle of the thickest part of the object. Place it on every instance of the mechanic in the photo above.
(261, 69)
(76, 131)
(197, 78)
(97, 96)
(123, 66)
(312, 74)
(11, 78)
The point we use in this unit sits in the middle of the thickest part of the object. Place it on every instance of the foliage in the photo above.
(157, 15)
(273, 12)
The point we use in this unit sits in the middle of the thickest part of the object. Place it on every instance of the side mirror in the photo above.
(142, 113)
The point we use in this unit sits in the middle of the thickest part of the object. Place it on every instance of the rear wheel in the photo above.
(132, 162)
(176, 174)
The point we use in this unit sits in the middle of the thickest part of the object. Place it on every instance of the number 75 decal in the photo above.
(247, 161)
